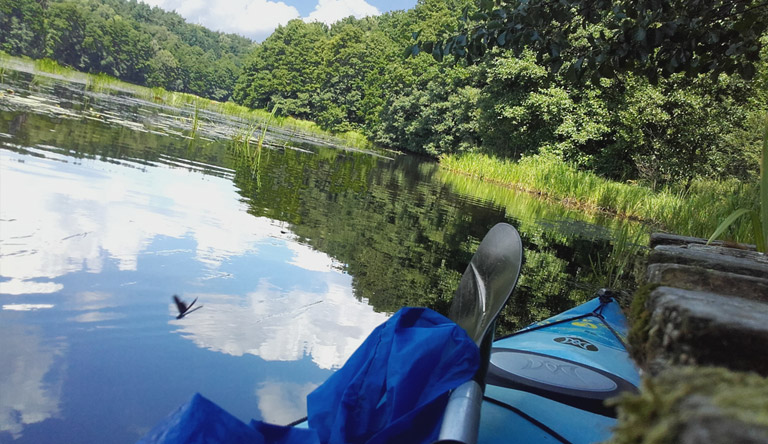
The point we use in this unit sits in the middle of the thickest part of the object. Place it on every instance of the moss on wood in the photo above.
(683, 402)
(639, 319)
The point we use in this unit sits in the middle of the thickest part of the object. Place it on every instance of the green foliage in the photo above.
(681, 128)
(434, 117)
(759, 228)
(616, 270)
(22, 25)
(50, 66)
(285, 70)
(351, 76)
(355, 66)
(526, 111)
(670, 132)
(640, 320)
(126, 40)
(617, 36)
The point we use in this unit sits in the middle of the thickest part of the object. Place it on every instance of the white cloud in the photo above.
(283, 402)
(257, 19)
(96, 316)
(63, 224)
(308, 259)
(252, 18)
(330, 11)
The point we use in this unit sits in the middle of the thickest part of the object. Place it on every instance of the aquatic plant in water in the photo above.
(195, 126)
(241, 144)
(52, 67)
(616, 269)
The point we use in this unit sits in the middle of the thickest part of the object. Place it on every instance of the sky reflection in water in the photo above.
(92, 252)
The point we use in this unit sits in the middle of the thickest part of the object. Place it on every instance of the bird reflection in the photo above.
(184, 309)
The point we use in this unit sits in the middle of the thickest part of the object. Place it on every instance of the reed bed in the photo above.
(52, 67)
(103, 83)
(696, 211)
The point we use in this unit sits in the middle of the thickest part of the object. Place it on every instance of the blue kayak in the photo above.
(548, 382)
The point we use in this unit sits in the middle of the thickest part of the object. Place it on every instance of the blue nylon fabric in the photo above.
(392, 389)
(395, 384)
(275, 434)
(200, 421)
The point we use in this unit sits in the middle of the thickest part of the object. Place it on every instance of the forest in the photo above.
(586, 82)
(128, 40)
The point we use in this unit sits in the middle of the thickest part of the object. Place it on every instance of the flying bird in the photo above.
(183, 308)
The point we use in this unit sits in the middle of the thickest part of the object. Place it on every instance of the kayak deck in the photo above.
(548, 382)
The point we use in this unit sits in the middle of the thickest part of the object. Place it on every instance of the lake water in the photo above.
(110, 204)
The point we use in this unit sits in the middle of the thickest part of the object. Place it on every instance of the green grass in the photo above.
(693, 212)
(103, 82)
(52, 67)
(759, 218)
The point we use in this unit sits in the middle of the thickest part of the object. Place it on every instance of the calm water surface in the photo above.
(110, 204)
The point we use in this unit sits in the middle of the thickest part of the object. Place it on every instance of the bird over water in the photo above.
(183, 308)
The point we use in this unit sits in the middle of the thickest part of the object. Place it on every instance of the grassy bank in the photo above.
(104, 83)
(694, 212)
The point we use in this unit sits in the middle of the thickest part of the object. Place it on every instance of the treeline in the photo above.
(125, 39)
(366, 75)
(627, 126)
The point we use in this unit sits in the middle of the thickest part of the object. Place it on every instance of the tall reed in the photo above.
(758, 217)
(52, 67)
(695, 212)
(195, 127)
(616, 270)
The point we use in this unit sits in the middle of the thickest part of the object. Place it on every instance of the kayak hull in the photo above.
(549, 381)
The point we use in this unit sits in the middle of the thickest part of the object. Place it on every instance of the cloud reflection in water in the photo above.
(284, 324)
(283, 402)
(83, 235)
(28, 394)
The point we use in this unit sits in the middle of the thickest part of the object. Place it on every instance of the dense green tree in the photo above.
(436, 114)
(286, 70)
(356, 61)
(649, 36)
(647, 112)
(66, 27)
(22, 27)
(126, 39)
(163, 70)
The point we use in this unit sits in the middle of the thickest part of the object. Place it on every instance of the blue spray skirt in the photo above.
(393, 388)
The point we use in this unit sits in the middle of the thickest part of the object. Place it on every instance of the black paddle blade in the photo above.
(488, 281)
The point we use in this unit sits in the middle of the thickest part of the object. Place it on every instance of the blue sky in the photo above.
(257, 19)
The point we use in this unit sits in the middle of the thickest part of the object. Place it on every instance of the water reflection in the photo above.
(285, 324)
(283, 402)
(30, 389)
(62, 224)
(99, 244)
